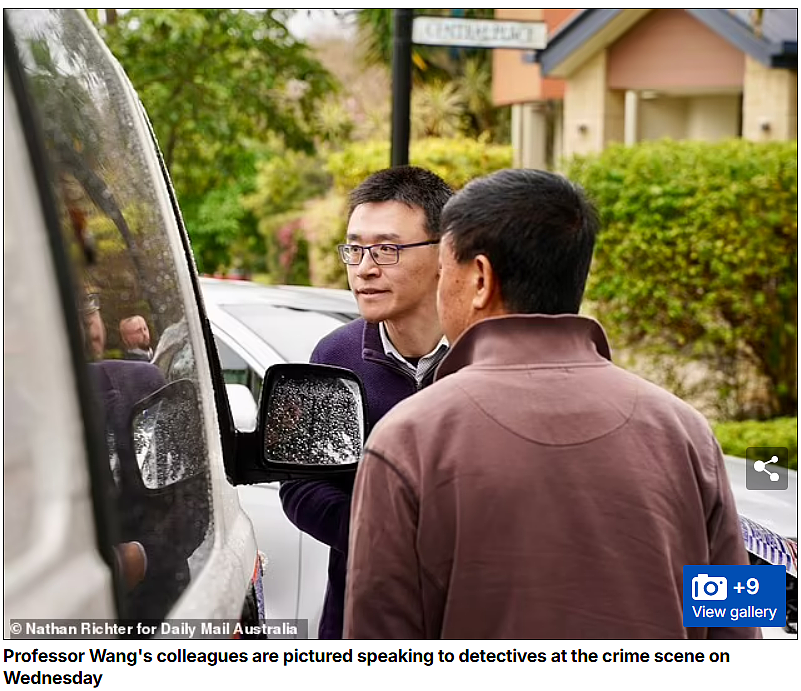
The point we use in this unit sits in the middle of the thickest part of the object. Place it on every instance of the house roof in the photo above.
(778, 26)
(592, 30)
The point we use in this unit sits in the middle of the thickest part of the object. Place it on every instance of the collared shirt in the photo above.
(139, 354)
(424, 364)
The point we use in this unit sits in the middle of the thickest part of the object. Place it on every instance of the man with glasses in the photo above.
(391, 258)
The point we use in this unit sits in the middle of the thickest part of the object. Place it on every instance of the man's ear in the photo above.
(485, 284)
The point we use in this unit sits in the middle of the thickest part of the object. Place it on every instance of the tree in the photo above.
(75, 137)
(215, 84)
(284, 184)
(365, 95)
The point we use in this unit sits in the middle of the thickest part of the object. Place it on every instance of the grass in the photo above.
(736, 437)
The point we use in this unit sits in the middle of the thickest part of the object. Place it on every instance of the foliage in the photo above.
(224, 232)
(284, 183)
(288, 259)
(736, 437)
(215, 84)
(438, 110)
(325, 223)
(475, 85)
(334, 122)
(457, 161)
(361, 109)
(698, 258)
(375, 31)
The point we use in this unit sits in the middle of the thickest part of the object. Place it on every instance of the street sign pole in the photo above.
(401, 86)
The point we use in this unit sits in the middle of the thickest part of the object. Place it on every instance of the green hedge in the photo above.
(456, 160)
(736, 437)
(698, 259)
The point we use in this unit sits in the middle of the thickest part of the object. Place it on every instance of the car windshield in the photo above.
(292, 333)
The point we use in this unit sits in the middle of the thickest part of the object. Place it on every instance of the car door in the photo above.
(49, 533)
(296, 573)
(98, 239)
(278, 540)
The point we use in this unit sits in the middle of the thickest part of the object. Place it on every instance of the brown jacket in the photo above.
(536, 490)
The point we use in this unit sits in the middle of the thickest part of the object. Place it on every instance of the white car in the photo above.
(770, 529)
(255, 327)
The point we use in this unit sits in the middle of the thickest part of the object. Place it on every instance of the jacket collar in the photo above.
(528, 339)
(372, 348)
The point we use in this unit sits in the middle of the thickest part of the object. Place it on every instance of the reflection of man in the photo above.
(536, 490)
(391, 259)
(136, 338)
(119, 385)
(156, 532)
(94, 328)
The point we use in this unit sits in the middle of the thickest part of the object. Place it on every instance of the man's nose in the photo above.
(367, 266)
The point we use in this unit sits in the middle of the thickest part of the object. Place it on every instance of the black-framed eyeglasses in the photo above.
(383, 253)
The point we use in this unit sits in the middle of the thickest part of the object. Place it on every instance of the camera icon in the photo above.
(707, 587)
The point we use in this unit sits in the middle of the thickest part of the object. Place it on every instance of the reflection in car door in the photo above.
(46, 476)
(173, 543)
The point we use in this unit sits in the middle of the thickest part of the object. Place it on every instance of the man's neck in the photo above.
(415, 336)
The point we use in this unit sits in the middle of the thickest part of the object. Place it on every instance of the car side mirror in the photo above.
(311, 424)
(164, 436)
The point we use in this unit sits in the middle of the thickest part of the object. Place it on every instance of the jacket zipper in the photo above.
(391, 364)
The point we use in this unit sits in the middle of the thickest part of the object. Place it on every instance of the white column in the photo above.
(630, 118)
(517, 135)
(535, 131)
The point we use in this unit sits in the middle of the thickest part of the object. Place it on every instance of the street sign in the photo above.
(479, 33)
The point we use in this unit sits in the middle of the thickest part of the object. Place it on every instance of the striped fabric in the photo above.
(769, 546)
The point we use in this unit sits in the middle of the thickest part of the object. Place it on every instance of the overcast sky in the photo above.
(306, 23)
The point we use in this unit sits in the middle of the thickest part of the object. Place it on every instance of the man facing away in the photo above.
(536, 490)
(136, 338)
(391, 258)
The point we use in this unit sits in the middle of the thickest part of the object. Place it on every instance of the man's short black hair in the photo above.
(538, 231)
(408, 184)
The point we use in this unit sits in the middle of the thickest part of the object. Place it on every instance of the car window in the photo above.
(235, 369)
(292, 333)
(116, 222)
